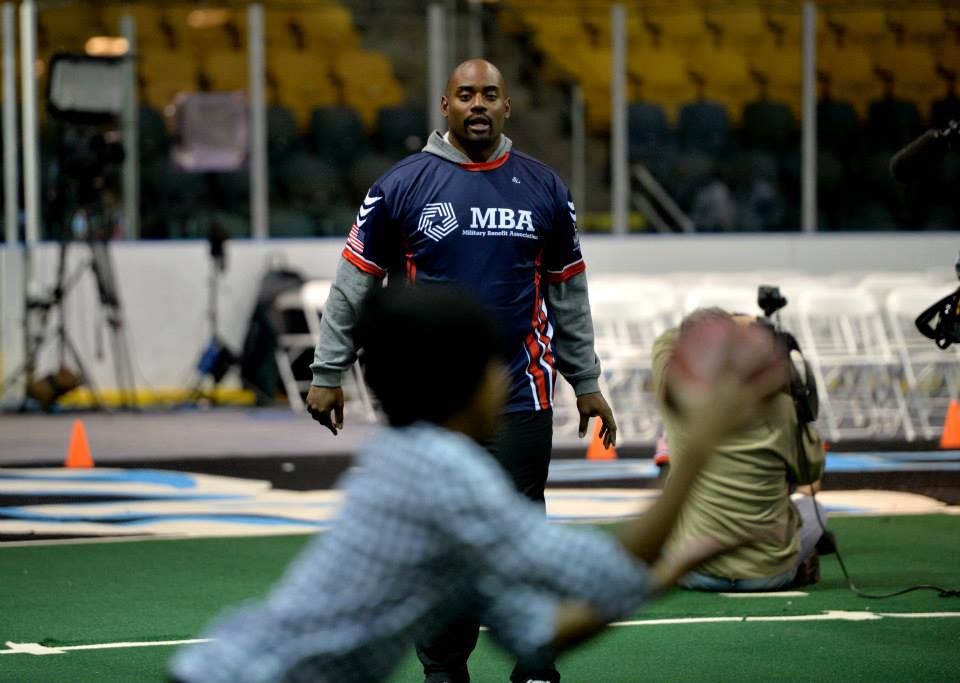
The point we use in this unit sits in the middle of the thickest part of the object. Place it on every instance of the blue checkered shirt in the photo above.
(430, 530)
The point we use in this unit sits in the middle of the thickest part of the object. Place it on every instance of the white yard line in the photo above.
(37, 649)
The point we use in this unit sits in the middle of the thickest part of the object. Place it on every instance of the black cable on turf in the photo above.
(942, 592)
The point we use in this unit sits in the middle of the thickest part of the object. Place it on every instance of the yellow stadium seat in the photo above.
(660, 76)
(165, 74)
(329, 29)
(302, 79)
(147, 17)
(920, 25)
(782, 69)
(914, 71)
(681, 30)
(367, 82)
(726, 77)
(857, 26)
(227, 70)
(851, 74)
(66, 28)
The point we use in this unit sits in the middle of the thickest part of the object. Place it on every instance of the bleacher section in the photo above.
(731, 74)
(714, 92)
(318, 71)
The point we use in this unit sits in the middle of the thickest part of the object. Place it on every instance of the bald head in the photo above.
(475, 106)
(475, 71)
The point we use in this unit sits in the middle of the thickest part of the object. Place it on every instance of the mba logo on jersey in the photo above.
(437, 220)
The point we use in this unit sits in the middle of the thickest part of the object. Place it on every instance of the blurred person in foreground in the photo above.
(747, 484)
(431, 529)
(471, 210)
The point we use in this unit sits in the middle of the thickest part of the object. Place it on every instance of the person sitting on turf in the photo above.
(431, 529)
(746, 485)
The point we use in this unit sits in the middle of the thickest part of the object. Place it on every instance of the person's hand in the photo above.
(321, 401)
(595, 405)
(722, 375)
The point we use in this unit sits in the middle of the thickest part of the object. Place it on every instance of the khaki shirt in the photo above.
(744, 486)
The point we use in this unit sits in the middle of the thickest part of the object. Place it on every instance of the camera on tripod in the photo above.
(803, 386)
(941, 322)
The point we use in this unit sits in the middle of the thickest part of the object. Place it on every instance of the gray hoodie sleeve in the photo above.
(336, 350)
(576, 359)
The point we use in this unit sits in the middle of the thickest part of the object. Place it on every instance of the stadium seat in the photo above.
(850, 71)
(147, 17)
(704, 127)
(651, 138)
(283, 134)
(402, 130)
(232, 189)
(286, 69)
(154, 141)
(837, 126)
(769, 126)
(724, 75)
(661, 76)
(892, 123)
(311, 183)
(227, 70)
(328, 29)
(368, 83)
(165, 75)
(337, 135)
(680, 30)
(913, 71)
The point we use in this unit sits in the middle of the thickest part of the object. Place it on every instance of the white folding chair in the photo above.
(932, 374)
(842, 333)
(294, 340)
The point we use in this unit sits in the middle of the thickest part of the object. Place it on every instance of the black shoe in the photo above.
(827, 544)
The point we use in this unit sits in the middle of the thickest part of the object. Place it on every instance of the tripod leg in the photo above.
(85, 378)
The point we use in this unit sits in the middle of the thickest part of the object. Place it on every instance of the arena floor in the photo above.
(106, 570)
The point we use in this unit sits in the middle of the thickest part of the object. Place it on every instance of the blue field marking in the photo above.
(120, 493)
(176, 480)
(131, 519)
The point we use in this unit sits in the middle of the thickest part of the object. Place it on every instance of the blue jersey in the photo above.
(497, 229)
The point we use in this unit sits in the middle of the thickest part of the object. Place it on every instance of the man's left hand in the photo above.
(595, 405)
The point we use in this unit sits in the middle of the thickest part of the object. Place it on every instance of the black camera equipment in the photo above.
(919, 159)
(803, 386)
(84, 97)
(803, 389)
(216, 358)
(941, 322)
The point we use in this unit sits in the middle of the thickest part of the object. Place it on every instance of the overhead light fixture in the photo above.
(208, 18)
(107, 46)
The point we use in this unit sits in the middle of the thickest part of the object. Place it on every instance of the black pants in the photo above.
(522, 446)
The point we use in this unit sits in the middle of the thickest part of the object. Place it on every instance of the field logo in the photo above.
(438, 220)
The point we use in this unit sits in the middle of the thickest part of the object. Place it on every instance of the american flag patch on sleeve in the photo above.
(355, 239)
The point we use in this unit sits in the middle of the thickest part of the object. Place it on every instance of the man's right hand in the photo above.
(321, 401)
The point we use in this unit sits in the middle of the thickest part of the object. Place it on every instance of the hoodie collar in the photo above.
(439, 145)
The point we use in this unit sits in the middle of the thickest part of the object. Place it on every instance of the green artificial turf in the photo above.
(164, 590)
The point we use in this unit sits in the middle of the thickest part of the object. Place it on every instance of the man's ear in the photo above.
(444, 106)
(506, 108)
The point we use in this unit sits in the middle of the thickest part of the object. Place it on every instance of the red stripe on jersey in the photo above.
(567, 273)
(486, 165)
(533, 347)
(363, 264)
(411, 269)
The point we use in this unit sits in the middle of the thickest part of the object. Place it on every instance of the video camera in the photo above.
(803, 386)
(941, 322)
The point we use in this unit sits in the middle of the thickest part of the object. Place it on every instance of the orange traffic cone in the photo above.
(951, 427)
(596, 451)
(78, 452)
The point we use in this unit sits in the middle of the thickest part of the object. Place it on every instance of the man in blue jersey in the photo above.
(471, 211)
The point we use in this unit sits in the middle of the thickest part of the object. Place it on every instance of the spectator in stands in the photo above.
(746, 484)
(471, 210)
(431, 529)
